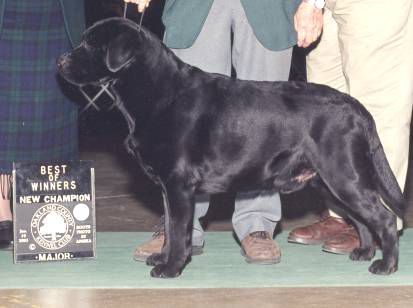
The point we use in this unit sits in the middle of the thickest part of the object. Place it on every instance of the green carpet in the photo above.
(221, 266)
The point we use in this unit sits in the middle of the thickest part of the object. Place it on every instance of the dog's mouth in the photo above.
(104, 81)
(85, 72)
(82, 83)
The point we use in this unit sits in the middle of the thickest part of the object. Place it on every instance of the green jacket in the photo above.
(271, 21)
(73, 13)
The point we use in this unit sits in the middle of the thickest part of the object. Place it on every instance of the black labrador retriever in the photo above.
(195, 132)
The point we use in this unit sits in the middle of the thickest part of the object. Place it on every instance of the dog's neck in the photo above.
(153, 78)
(164, 69)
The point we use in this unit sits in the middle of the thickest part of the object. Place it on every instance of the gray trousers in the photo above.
(214, 52)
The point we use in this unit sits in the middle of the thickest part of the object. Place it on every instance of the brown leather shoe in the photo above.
(155, 244)
(320, 231)
(343, 243)
(259, 248)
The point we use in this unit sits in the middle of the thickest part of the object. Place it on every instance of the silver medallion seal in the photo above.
(52, 226)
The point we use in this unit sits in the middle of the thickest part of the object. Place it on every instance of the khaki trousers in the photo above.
(365, 51)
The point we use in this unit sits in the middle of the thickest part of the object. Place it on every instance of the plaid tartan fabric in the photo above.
(37, 122)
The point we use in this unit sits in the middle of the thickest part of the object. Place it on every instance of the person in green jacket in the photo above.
(256, 39)
(37, 122)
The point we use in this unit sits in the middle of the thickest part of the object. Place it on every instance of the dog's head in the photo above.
(107, 48)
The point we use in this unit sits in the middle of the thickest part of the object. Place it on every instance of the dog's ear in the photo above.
(121, 51)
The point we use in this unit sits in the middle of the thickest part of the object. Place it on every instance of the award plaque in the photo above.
(54, 211)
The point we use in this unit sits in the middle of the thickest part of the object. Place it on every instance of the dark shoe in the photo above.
(320, 231)
(155, 244)
(6, 234)
(259, 248)
(343, 243)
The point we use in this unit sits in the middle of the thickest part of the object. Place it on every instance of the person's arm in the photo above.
(308, 21)
(142, 4)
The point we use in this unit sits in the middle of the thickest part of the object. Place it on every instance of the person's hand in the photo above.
(142, 4)
(308, 22)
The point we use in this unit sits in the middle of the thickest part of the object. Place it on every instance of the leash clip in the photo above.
(125, 10)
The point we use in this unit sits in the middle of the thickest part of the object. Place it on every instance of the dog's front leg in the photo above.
(178, 230)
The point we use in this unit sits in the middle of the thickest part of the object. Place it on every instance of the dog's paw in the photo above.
(165, 271)
(156, 259)
(379, 267)
(362, 254)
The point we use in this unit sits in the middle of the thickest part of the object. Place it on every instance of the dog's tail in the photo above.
(389, 189)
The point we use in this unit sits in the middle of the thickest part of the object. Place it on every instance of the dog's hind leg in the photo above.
(178, 231)
(364, 203)
(367, 247)
(383, 223)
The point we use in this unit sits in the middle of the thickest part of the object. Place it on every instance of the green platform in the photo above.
(221, 266)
